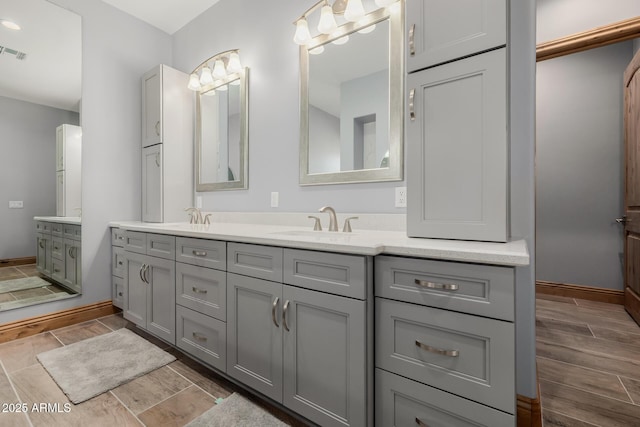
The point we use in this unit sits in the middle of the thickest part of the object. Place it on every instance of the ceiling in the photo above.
(167, 15)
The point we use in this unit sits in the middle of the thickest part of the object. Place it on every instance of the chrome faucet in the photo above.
(333, 221)
(196, 215)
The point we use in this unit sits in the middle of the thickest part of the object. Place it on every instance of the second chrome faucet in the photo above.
(333, 220)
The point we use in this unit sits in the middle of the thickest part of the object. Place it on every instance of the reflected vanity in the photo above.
(222, 123)
(351, 127)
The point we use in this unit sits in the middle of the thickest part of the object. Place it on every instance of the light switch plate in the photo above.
(16, 204)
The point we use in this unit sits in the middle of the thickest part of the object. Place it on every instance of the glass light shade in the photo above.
(218, 69)
(302, 36)
(327, 22)
(317, 50)
(10, 25)
(210, 92)
(341, 40)
(220, 86)
(194, 82)
(234, 66)
(384, 3)
(354, 11)
(205, 76)
(235, 82)
(367, 30)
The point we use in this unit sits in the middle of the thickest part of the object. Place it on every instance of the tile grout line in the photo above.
(590, 392)
(573, 418)
(164, 400)
(625, 389)
(56, 337)
(577, 366)
(193, 383)
(105, 325)
(591, 330)
(13, 387)
(127, 408)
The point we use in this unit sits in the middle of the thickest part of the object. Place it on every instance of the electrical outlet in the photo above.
(199, 202)
(275, 199)
(401, 197)
(16, 204)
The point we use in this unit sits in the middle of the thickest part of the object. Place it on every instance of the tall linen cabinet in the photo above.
(456, 126)
(167, 145)
(68, 170)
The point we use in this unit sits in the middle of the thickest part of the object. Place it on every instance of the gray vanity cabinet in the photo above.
(455, 109)
(150, 295)
(58, 253)
(441, 30)
(117, 267)
(72, 277)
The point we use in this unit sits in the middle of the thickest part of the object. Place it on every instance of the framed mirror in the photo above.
(351, 102)
(222, 129)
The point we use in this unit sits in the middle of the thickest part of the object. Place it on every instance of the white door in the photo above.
(152, 107)
(152, 187)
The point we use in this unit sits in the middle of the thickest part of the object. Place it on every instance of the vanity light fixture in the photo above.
(10, 24)
(317, 50)
(226, 67)
(341, 40)
(353, 11)
(367, 30)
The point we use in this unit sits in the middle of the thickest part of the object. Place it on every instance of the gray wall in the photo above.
(324, 141)
(116, 50)
(579, 176)
(27, 170)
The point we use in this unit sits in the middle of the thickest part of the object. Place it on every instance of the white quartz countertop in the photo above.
(75, 220)
(363, 242)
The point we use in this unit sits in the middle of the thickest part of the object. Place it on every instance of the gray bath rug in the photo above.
(235, 410)
(22, 284)
(93, 366)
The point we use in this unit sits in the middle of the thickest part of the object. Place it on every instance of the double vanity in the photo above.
(341, 328)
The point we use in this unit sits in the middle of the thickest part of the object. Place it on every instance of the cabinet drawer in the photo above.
(56, 229)
(263, 262)
(72, 231)
(135, 241)
(202, 289)
(58, 269)
(118, 263)
(205, 253)
(43, 227)
(202, 336)
(400, 402)
(161, 246)
(327, 272)
(117, 291)
(117, 237)
(409, 339)
(57, 248)
(485, 290)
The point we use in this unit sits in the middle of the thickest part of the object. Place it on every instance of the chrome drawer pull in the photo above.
(412, 111)
(56, 270)
(421, 423)
(434, 285)
(119, 262)
(198, 337)
(273, 312)
(450, 353)
(412, 40)
(284, 315)
(120, 237)
(199, 253)
(199, 291)
(41, 244)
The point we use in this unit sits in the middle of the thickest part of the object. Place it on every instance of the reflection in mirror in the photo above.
(351, 102)
(40, 90)
(222, 122)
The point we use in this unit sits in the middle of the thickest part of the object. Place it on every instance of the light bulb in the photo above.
(234, 65)
(317, 50)
(367, 30)
(218, 69)
(302, 36)
(341, 40)
(384, 3)
(194, 82)
(205, 76)
(327, 22)
(10, 25)
(220, 85)
(354, 11)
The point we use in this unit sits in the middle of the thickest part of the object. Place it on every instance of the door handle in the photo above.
(435, 285)
(146, 274)
(623, 220)
(435, 350)
(273, 312)
(158, 128)
(158, 159)
(284, 315)
(70, 251)
(421, 423)
(412, 111)
(412, 40)
(140, 273)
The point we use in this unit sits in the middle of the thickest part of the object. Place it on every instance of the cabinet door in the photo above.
(325, 357)
(135, 290)
(41, 252)
(152, 184)
(60, 194)
(254, 334)
(152, 107)
(443, 30)
(72, 261)
(457, 174)
(161, 298)
(60, 148)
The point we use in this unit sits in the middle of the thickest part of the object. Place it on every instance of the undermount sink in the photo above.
(312, 233)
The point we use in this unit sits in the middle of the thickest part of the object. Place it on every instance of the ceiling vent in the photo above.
(21, 56)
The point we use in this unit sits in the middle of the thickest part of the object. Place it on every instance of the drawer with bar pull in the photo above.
(471, 356)
(202, 337)
(485, 290)
(202, 252)
(202, 289)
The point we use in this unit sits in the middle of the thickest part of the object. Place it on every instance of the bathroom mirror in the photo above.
(40, 90)
(351, 108)
(222, 135)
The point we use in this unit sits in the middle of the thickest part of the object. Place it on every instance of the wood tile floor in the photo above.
(170, 396)
(29, 296)
(588, 356)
